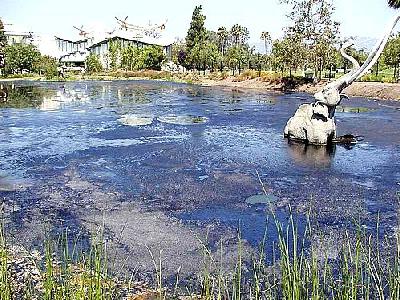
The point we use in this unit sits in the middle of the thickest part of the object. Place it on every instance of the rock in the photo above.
(172, 67)
(312, 124)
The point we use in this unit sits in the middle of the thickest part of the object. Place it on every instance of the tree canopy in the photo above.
(394, 3)
(197, 32)
(3, 39)
(21, 57)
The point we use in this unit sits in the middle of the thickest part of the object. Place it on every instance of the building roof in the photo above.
(77, 56)
(72, 40)
(130, 36)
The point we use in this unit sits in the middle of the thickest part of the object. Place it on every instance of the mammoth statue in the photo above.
(314, 123)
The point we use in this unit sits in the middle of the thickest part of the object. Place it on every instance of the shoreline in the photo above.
(371, 90)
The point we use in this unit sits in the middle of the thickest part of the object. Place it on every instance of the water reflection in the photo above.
(136, 96)
(3, 93)
(23, 97)
(58, 99)
(311, 155)
(13, 96)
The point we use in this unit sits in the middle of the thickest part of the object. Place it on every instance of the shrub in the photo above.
(153, 57)
(21, 57)
(93, 64)
(377, 78)
(272, 77)
(48, 66)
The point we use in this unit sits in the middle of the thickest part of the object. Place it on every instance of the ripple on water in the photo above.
(135, 120)
(183, 119)
(364, 159)
(12, 184)
(244, 143)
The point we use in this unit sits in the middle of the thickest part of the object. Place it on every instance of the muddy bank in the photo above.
(375, 90)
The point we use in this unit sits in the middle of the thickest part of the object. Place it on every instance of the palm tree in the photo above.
(236, 33)
(394, 3)
(222, 34)
(266, 37)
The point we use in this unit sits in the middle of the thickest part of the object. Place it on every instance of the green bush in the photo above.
(21, 57)
(378, 78)
(48, 67)
(153, 57)
(93, 64)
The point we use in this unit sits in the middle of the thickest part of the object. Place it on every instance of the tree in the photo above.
(114, 47)
(21, 57)
(237, 56)
(93, 64)
(222, 43)
(223, 36)
(391, 52)
(240, 35)
(3, 38)
(391, 55)
(394, 3)
(153, 57)
(314, 26)
(179, 54)
(128, 57)
(3, 43)
(213, 56)
(288, 54)
(47, 66)
(266, 37)
(196, 35)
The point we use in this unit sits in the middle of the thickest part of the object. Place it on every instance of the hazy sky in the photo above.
(365, 18)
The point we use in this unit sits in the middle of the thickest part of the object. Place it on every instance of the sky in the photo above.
(364, 18)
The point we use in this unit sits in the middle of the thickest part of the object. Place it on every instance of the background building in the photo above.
(71, 51)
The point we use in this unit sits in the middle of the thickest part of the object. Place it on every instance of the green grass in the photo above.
(296, 269)
(5, 287)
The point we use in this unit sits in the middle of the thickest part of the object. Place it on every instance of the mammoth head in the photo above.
(329, 95)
